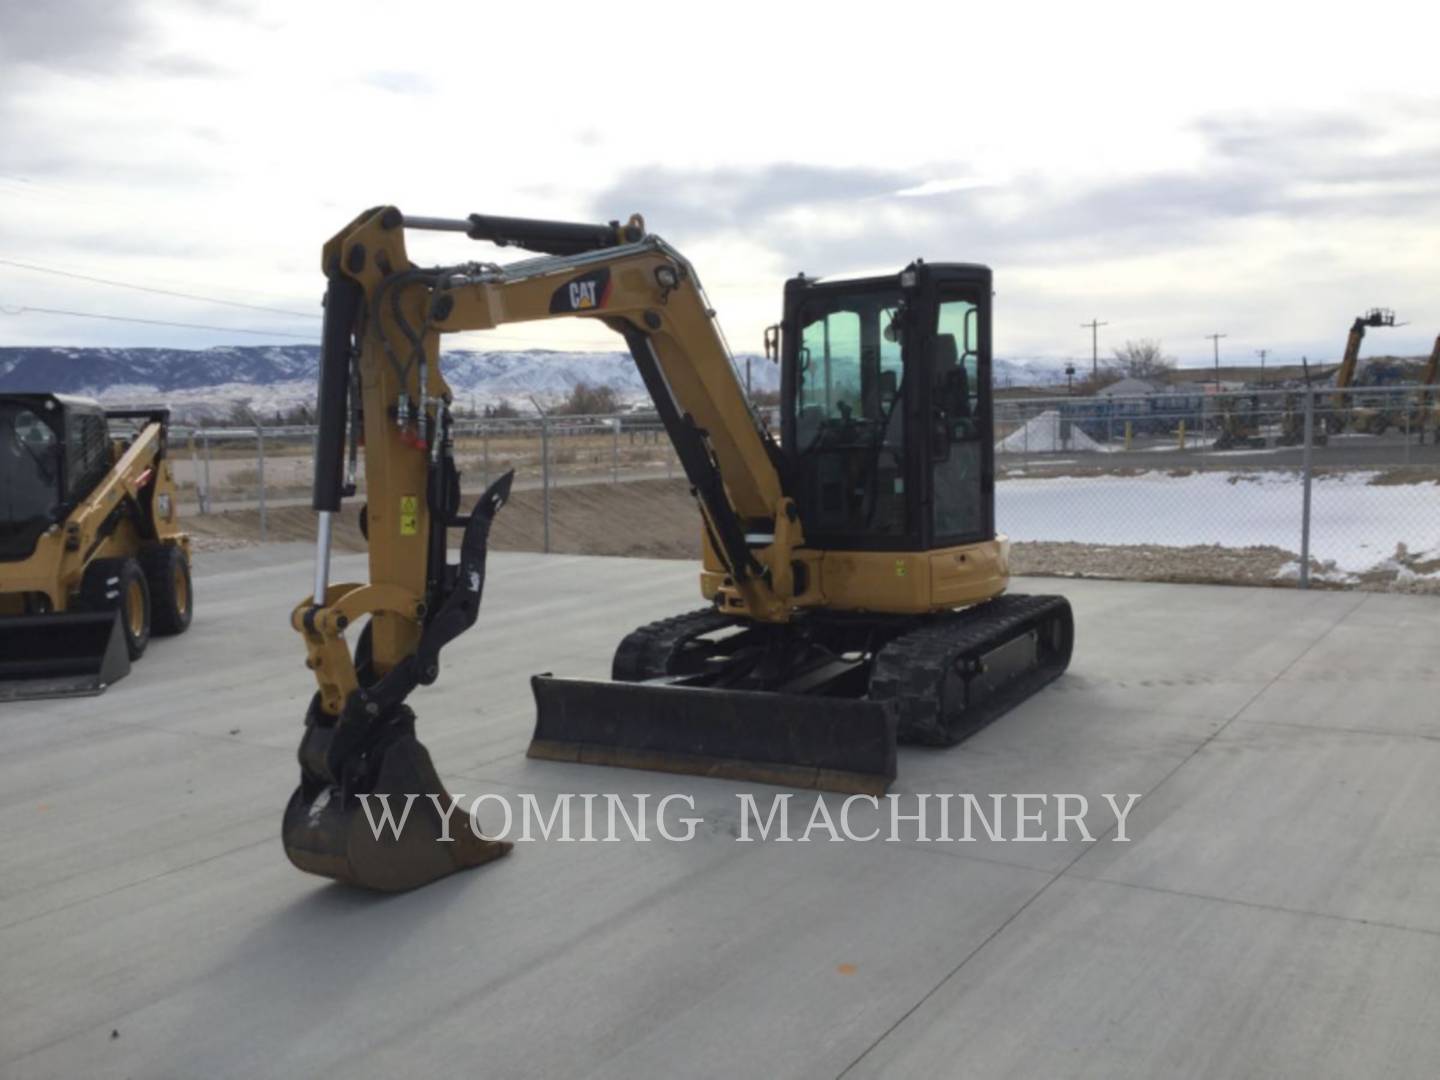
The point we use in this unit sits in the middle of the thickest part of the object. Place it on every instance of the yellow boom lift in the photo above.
(853, 571)
(92, 558)
(1344, 409)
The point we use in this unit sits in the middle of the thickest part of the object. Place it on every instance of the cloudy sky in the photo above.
(1265, 171)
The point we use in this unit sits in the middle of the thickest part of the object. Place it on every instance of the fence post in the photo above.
(260, 468)
(195, 461)
(1204, 428)
(545, 476)
(485, 450)
(205, 439)
(1305, 462)
(615, 450)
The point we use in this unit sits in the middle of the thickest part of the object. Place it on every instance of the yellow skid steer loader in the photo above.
(92, 559)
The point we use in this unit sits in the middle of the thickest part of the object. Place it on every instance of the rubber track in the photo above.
(910, 670)
(645, 653)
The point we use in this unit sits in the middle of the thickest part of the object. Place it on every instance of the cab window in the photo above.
(957, 503)
(849, 441)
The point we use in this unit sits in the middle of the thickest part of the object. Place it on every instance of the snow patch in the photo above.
(1048, 433)
(1355, 525)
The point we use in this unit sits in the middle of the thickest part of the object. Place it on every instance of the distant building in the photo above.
(1127, 388)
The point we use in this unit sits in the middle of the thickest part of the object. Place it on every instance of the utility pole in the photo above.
(1216, 339)
(1094, 326)
(1263, 353)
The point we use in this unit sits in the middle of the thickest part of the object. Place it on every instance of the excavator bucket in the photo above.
(403, 831)
(61, 655)
(370, 809)
(793, 740)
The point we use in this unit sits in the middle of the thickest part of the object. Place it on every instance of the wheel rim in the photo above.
(135, 608)
(182, 589)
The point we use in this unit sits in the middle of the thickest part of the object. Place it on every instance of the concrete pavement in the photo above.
(1276, 911)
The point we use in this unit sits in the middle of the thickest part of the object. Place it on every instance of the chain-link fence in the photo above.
(1257, 486)
(263, 469)
(1307, 485)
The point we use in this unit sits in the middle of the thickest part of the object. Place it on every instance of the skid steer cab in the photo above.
(92, 558)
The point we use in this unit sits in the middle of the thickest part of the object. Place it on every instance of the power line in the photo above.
(158, 292)
(490, 335)
(486, 334)
(25, 310)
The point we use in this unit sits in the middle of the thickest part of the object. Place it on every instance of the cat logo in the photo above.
(584, 293)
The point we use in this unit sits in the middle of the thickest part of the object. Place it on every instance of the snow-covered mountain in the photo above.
(210, 382)
(1026, 371)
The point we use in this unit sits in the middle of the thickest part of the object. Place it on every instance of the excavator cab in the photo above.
(885, 408)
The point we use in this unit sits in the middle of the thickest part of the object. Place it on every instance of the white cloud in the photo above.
(1222, 167)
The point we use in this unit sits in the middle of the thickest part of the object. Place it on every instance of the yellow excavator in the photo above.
(852, 568)
(92, 556)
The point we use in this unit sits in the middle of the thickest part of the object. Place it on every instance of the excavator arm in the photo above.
(380, 379)
(384, 319)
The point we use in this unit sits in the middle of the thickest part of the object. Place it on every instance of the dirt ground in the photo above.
(234, 472)
(658, 519)
(639, 518)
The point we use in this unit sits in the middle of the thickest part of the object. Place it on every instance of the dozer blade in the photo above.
(833, 744)
(327, 829)
(61, 655)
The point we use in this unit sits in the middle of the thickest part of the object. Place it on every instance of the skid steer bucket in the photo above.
(61, 655)
(793, 740)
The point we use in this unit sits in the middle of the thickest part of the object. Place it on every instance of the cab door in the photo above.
(959, 501)
(846, 407)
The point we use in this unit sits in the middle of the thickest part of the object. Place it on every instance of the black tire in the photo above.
(120, 585)
(172, 597)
